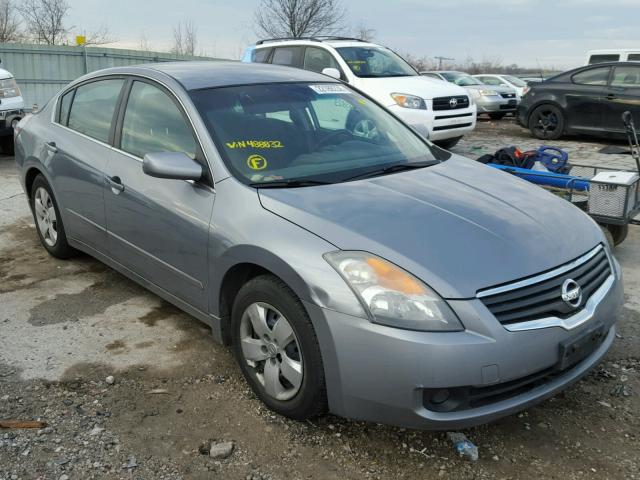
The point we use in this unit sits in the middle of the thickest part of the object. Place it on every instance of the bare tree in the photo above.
(45, 20)
(299, 18)
(185, 38)
(363, 32)
(9, 22)
(100, 36)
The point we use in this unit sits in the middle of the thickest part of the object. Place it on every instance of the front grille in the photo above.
(508, 95)
(448, 103)
(541, 299)
(451, 127)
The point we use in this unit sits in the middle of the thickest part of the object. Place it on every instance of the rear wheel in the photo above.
(497, 116)
(448, 143)
(48, 220)
(547, 122)
(277, 349)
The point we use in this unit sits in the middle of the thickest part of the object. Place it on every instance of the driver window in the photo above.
(332, 113)
(626, 77)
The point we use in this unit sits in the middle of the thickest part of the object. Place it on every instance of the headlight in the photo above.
(488, 93)
(9, 88)
(409, 101)
(393, 296)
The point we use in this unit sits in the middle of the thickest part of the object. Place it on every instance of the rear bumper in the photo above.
(381, 374)
(439, 125)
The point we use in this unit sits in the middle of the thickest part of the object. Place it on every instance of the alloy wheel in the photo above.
(46, 216)
(270, 347)
(547, 122)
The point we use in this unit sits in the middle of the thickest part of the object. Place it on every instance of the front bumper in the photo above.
(496, 104)
(438, 125)
(381, 374)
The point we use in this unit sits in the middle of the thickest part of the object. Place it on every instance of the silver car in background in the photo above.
(494, 100)
(353, 266)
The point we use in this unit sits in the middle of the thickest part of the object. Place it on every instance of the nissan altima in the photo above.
(352, 266)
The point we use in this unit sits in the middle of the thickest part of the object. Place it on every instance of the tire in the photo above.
(547, 122)
(266, 301)
(448, 143)
(618, 233)
(6, 144)
(56, 244)
(497, 116)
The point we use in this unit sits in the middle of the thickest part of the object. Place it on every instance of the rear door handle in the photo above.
(116, 184)
(51, 146)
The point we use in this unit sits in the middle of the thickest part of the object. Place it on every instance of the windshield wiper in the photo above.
(400, 167)
(289, 183)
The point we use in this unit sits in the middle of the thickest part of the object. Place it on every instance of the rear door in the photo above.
(79, 145)
(158, 228)
(584, 98)
(622, 94)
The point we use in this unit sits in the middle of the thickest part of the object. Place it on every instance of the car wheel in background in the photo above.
(48, 220)
(497, 116)
(547, 122)
(277, 349)
(618, 233)
(448, 143)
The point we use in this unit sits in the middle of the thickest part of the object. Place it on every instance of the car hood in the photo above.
(460, 226)
(423, 87)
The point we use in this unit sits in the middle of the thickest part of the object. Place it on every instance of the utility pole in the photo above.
(440, 59)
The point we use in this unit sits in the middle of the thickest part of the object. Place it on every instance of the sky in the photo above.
(531, 33)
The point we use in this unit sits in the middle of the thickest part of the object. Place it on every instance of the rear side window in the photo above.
(603, 58)
(317, 59)
(93, 106)
(628, 77)
(594, 76)
(634, 57)
(260, 55)
(154, 123)
(289, 56)
(65, 106)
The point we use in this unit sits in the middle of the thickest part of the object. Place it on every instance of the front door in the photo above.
(622, 94)
(158, 228)
(585, 98)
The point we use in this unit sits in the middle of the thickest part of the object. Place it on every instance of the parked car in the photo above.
(11, 109)
(586, 100)
(613, 55)
(494, 100)
(443, 114)
(500, 80)
(336, 261)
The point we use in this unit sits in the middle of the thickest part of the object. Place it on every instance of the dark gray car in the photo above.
(352, 265)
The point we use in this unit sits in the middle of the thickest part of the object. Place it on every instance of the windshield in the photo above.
(375, 62)
(461, 79)
(323, 132)
(515, 81)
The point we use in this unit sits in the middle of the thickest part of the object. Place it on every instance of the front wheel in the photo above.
(277, 348)
(547, 122)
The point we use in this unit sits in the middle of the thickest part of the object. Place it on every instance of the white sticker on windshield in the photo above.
(327, 88)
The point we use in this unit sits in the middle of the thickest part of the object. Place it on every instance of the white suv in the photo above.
(11, 109)
(440, 111)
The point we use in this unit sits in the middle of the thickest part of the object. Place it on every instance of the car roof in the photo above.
(213, 74)
(319, 41)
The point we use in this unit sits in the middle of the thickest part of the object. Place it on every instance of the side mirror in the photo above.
(172, 165)
(331, 72)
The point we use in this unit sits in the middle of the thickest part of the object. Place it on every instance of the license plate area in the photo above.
(577, 348)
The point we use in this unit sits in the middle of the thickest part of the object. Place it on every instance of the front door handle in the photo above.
(611, 96)
(116, 184)
(51, 146)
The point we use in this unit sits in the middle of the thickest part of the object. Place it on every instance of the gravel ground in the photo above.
(132, 388)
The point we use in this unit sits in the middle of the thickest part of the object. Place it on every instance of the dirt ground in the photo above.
(66, 326)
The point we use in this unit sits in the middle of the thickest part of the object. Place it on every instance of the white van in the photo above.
(442, 112)
(613, 55)
(11, 110)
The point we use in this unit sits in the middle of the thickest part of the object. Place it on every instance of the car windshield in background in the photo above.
(515, 81)
(301, 134)
(461, 79)
(375, 62)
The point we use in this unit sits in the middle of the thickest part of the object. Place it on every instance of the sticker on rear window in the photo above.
(327, 88)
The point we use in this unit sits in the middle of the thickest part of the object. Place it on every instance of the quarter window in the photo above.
(594, 76)
(626, 77)
(317, 59)
(154, 123)
(93, 106)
